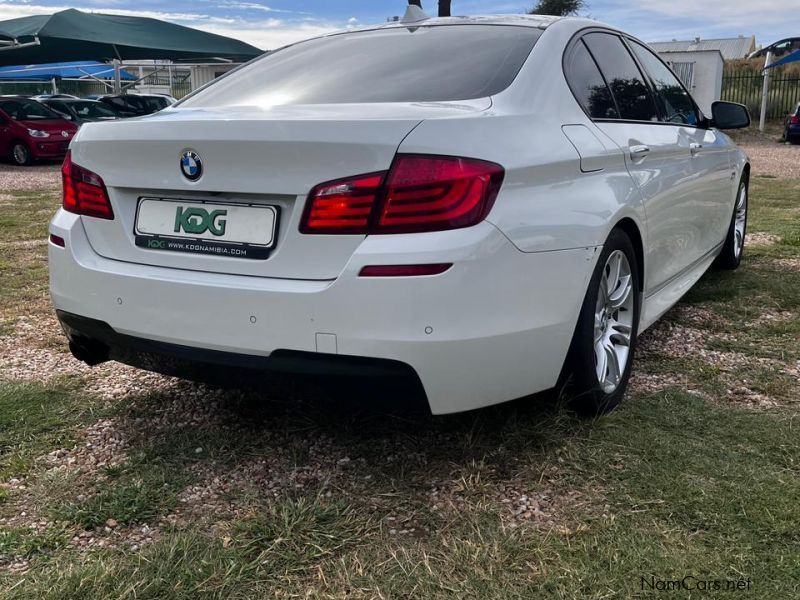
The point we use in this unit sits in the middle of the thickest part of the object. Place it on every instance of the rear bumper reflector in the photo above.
(404, 270)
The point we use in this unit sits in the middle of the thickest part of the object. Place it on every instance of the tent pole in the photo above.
(765, 95)
(117, 76)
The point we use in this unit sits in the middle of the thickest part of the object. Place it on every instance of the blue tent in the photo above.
(789, 58)
(66, 70)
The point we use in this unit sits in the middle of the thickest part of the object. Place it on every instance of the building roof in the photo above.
(731, 48)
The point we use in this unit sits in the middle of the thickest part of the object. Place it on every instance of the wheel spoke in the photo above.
(614, 372)
(620, 297)
(601, 360)
(612, 279)
(620, 334)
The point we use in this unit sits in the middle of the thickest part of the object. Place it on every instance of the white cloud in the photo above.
(251, 6)
(269, 37)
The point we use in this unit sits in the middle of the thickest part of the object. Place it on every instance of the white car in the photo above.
(490, 206)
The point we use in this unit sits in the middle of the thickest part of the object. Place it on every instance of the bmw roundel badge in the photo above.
(191, 165)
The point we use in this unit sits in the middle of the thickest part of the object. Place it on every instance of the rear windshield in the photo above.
(422, 64)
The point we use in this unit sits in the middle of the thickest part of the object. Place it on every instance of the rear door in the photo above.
(658, 157)
(710, 154)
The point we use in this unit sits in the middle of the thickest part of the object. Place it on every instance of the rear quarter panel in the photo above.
(546, 202)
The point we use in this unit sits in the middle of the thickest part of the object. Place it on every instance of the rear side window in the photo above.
(633, 97)
(676, 104)
(403, 64)
(588, 84)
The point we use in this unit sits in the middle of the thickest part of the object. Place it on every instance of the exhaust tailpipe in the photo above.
(89, 351)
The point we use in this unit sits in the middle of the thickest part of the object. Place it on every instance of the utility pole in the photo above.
(444, 8)
(765, 98)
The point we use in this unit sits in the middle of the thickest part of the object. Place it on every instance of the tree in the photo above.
(557, 8)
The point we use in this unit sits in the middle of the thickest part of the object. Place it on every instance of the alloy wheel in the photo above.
(740, 221)
(613, 322)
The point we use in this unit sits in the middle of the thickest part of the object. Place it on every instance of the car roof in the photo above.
(536, 21)
(73, 100)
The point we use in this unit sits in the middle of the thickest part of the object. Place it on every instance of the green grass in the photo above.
(26, 214)
(35, 420)
(674, 483)
(23, 261)
(775, 208)
(679, 487)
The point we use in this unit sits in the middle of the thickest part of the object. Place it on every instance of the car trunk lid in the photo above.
(255, 158)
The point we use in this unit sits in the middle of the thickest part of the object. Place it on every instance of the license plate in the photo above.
(230, 230)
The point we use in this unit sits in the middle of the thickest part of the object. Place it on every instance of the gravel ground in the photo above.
(35, 177)
(774, 160)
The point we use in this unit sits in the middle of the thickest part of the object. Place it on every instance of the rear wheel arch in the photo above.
(631, 229)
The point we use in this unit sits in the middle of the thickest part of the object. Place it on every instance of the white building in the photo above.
(701, 72)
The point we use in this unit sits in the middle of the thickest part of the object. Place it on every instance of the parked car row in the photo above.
(41, 127)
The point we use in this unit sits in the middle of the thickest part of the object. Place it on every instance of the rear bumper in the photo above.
(95, 342)
(495, 327)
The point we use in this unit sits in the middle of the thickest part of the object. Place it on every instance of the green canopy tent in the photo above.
(71, 35)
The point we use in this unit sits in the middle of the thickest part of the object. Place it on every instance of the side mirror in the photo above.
(729, 115)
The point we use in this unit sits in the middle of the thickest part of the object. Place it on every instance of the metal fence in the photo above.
(746, 84)
(77, 88)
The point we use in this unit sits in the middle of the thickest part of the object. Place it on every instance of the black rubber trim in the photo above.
(102, 342)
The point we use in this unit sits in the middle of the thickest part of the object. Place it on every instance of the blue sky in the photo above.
(272, 23)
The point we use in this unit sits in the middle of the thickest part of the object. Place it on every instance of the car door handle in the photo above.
(639, 151)
(695, 148)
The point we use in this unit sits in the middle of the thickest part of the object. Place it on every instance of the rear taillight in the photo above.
(84, 191)
(794, 120)
(343, 206)
(419, 193)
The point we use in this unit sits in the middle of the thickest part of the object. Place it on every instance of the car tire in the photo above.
(600, 357)
(733, 249)
(21, 154)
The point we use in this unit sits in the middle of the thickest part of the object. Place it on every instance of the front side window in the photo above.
(676, 104)
(92, 110)
(588, 84)
(633, 97)
(59, 108)
(399, 64)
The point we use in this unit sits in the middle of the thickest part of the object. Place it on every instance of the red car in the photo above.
(30, 131)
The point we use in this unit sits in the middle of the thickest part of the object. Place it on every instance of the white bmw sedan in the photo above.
(490, 206)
